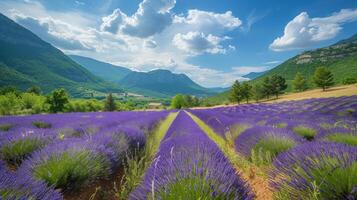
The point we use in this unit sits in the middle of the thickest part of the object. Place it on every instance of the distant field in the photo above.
(345, 90)
(338, 91)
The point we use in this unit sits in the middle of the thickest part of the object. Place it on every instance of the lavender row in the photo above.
(188, 158)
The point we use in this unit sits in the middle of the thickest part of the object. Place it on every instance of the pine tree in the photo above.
(278, 85)
(110, 103)
(246, 91)
(299, 82)
(258, 92)
(323, 78)
(267, 87)
(236, 92)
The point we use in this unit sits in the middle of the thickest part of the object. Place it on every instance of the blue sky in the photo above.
(212, 41)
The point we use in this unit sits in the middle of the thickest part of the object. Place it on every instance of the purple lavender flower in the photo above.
(316, 170)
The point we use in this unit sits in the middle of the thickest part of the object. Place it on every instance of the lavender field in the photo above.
(303, 149)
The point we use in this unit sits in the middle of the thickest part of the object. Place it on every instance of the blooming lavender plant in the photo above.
(316, 170)
(186, 159)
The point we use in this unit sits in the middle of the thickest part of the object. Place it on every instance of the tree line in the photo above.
(275, 85)
(33, 101)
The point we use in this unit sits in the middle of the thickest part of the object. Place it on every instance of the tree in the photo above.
(236, 92)
(258, 92)
(110, 103)
(178, 101)
(57, 100)
(267, 87)
(323, 78)
(278, 85)
(246, 90)
(299, 82)
(34, 90)
(9, 89)
(349, 80)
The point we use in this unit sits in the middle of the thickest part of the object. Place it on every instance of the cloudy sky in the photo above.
(214, 42)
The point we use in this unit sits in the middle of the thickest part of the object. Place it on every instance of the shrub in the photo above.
(306, 132)
(15, 152)
(268, 148)
(349, 139)
(349, 80)
(69, 170)
(9, 104)
(40, 124)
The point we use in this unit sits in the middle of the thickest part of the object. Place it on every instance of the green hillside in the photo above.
(340, 58)
(103, 70)
(26, 60)
(162, 83)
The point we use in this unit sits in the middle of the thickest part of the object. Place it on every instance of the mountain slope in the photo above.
(254, 75)
(27, 60)
(340, 58)
(162, 83)
(103, 70)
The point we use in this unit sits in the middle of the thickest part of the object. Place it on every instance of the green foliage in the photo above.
(192, 187)
(8, 89)
(35, 90)
(178, 101)
(267, 149)
(329, 181)
(349, 80)
(349, 139)
(236, 92)
(71, 170)
(267, 87)
(33, 102)
(84, 105)
(307, 133)
(57, 100)
(258, 92)
(246, 91)
(110, 103)
(40, 124)
(278, 85)
(9, 104)
(14, 153)
(323, 78)
(299, 82)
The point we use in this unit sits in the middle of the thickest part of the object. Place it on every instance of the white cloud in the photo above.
(59, 33)
(112, 22)
(198, 43)
(304, 31)
(209, 21)
(152, 17)
(150, 44)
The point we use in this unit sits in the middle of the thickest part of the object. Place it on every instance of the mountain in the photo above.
(27, 60)
(162, 83)
(103, 70)
(253, 75)
(340, 58)
(158, 83)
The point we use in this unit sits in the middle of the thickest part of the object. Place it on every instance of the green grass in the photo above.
(138, 161)
(40, 124)
(267, 149)
(349, 139)
(14, 153)
(305, 132)
(234, 132)
(192, 188)
(5, 127)
(71, 170)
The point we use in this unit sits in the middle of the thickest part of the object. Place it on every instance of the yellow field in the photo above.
(345, 90)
